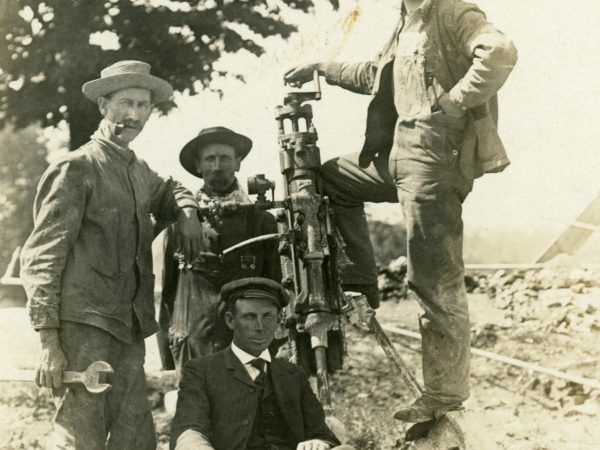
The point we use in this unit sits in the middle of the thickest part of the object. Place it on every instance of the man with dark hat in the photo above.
(242, 399)
(189, 313)
(87, 265)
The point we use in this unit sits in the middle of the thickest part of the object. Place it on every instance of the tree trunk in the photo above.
(83, 121)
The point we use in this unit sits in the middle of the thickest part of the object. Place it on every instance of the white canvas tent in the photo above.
(586, 226)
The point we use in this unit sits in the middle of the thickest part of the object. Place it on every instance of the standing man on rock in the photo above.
(87, 265)
(189, 309)
(431, 129)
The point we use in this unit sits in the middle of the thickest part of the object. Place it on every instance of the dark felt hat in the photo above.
(219, 135)
(255, 288)
(127, 74)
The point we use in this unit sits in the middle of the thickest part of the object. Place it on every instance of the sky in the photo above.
(549, 112)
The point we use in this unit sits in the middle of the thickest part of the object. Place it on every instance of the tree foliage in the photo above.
(22, 162)
(48, 49)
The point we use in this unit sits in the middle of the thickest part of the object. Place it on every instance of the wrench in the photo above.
(90, 378)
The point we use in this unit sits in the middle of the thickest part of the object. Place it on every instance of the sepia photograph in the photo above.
(299, 225)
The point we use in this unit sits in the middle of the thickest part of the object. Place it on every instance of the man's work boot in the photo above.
(368, 290)
(425, 409)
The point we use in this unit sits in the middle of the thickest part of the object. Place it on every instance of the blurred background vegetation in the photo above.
(22, 162)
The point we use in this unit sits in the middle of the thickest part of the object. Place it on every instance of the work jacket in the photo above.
(218, 234)
(88, 258)
(470, 59)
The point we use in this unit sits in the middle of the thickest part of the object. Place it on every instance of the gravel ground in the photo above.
(520, 410)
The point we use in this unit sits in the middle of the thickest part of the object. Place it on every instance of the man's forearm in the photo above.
(49, 336)
(494, 57)
(168, 197)
(184, 197)
(356, 77)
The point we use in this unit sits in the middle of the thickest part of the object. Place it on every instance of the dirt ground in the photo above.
(520, 410)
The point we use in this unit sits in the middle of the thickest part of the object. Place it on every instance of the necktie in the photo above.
(260, 365)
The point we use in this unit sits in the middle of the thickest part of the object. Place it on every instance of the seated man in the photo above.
(188, 312)
(242, 399)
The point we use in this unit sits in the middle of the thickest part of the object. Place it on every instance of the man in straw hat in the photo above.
(241, 397)
(87, 265)
(189, 313)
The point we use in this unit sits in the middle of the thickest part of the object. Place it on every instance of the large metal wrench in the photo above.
(90, 378)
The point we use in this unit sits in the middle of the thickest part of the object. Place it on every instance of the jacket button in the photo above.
(455, 152)
(252, 390)
(245, 422)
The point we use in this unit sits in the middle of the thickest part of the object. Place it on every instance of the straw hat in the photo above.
(127, 74)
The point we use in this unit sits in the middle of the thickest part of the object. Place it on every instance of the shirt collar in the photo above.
(237, 194)
(104, 137)
(234, 187)
(245, 358)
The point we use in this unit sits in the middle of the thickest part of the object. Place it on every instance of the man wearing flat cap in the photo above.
(242, 399)
(87, 265)
(189, 314)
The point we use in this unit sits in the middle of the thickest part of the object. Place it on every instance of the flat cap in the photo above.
(255, 288)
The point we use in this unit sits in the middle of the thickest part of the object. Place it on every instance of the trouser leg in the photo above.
(117, 419)
(131, 425)
(208, 332)
(434, 231)
(348, 186)
(431, 190)
(80, 421)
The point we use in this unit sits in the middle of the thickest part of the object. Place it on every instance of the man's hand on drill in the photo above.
(188, 234)
(297, 76)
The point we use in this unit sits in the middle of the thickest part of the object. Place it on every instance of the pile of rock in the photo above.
(391, 280)
(563, 300)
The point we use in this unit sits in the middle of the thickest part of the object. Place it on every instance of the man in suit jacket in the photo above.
(242, 399)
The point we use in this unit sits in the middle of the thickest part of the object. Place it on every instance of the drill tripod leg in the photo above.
(324, 394)
(456, 430)
(323, 379)
(358, 310)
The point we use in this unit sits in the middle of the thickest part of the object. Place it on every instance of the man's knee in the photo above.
(332, 181)
(329, 168)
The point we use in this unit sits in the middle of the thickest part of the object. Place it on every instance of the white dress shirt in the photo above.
(245, 359)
